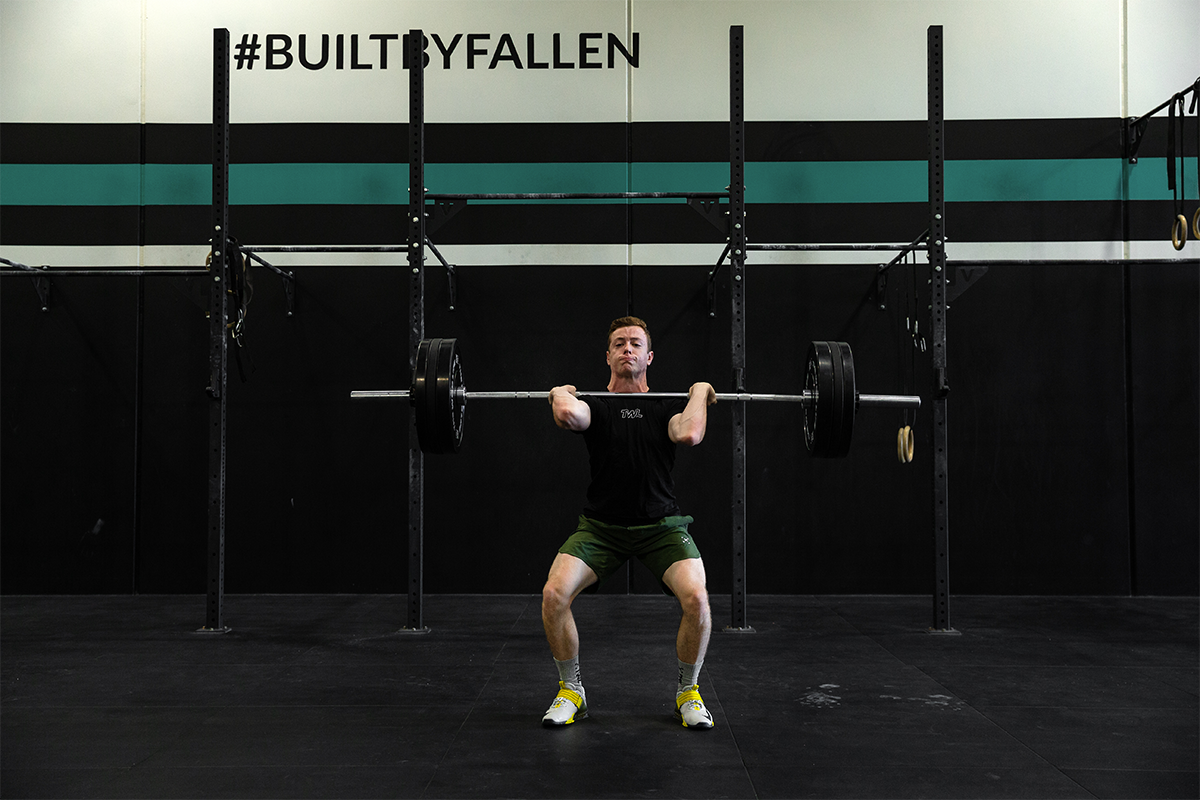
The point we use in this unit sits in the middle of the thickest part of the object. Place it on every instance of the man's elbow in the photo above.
(569, 420)
(570, 424)
(690, 437)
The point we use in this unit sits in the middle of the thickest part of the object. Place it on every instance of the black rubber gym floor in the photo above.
(319, 696)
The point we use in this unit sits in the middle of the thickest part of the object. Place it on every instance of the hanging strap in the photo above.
(1171, 143)
(1192, 110)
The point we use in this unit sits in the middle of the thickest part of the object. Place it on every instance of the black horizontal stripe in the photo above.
(37, 143)
(593, 223)
(70, 225)
(526, 142)
(76, 143)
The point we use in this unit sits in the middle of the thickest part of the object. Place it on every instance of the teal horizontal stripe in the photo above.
(495, 178)
(71, 185)
(178, 185)
(1029, 180)
(1033, 180)
(191, 184)
(1148, 179)
(317, 184)
(837, 182)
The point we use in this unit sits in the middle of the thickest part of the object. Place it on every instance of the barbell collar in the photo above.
(806, 398)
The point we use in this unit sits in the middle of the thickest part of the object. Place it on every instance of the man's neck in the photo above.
(628, 385)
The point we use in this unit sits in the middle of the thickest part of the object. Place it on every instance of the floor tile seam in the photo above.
(1062, 769)
(165, 745)
(437, 767)
(733, 736)
(503, 647)
(872, 638)
(521, 615)
(1023, 745)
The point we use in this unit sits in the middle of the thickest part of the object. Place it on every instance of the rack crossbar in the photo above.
(837, 247)
(327, 248)
(1069, 262)
(99, 272)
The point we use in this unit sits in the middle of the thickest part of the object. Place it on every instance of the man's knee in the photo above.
(554, 599)
(569, 576)
(694, 601)
(560, 591)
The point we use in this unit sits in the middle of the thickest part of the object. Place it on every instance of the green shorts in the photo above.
(605, 547)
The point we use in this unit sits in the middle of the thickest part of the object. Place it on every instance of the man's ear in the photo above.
(650, 358)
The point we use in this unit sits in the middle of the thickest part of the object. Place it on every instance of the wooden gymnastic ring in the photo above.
(1179, 232)
(1196, 223)
(904, 445)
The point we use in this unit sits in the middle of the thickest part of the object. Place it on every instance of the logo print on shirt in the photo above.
(631, 413)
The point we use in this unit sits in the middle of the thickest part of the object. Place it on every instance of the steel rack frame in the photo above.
(420, 223)
(418, 227)
(423, 220)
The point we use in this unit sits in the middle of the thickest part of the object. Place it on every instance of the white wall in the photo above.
(135, 60)
(129, 61)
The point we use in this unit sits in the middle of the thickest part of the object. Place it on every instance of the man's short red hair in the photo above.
(628, 322)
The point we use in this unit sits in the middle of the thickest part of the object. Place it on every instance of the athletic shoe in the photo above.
(569, 706)
(689, 708)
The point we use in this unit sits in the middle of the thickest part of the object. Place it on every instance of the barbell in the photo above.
(829, 400)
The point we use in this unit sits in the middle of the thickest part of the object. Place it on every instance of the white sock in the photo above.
(689, 675)
(568, 671)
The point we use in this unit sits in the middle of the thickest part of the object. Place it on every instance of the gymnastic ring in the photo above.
(1179, 231)
(904, 445)
(1196, 223)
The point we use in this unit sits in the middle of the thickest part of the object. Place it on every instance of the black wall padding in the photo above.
(67, 393)
(1038, 459)
(1165, 314)
(1040, 467)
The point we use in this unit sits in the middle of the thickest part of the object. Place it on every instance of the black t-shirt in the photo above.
(631, 456)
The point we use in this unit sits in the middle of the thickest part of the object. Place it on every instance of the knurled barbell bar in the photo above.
(829, 400)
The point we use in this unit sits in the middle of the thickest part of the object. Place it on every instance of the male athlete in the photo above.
(631, 511)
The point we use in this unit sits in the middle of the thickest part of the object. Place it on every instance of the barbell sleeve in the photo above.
(806, 398)
(890, 400)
